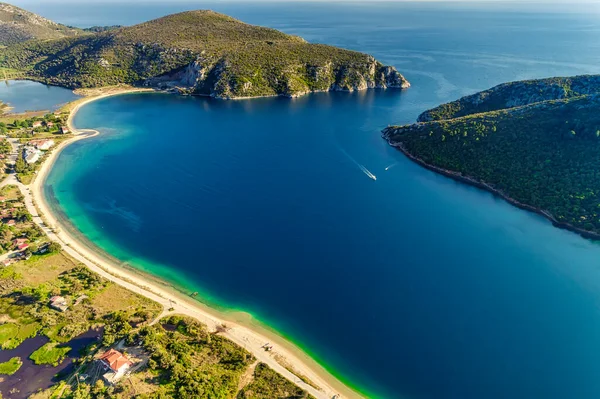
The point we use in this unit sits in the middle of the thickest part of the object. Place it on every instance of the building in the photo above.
(59, 303)
(42, 144)
(49, 124)
(64, 130)
(11, 222)
(37, 124)
(31, 154)
(18, 242)
(115, 364)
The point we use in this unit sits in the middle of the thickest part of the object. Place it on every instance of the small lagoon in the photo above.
(31, 378)
(26, 95)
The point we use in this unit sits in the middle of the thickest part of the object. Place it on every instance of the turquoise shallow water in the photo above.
(264, 206)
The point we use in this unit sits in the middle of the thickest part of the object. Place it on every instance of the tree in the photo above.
(41, 292)
(54, 247)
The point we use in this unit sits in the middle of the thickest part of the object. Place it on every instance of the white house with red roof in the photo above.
(115, 364)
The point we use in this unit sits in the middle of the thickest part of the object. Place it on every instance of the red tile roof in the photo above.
(115, 360)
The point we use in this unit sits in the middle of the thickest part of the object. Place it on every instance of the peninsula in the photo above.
(200, 53)
(534, 143)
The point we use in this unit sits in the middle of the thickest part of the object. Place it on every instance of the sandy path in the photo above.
(249, 338)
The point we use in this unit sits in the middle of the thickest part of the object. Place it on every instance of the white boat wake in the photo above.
(391, 166)
(367, 172)
(361, 167)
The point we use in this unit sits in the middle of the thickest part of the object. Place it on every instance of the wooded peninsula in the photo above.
(535, 143)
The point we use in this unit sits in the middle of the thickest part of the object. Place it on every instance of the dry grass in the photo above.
(116, 298)
(10, 192)
(139, 383)
(38, 270)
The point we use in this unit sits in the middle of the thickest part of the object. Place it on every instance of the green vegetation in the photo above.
(543, 155)
(50, 353)
(184, 360)
(18, 25)
(267, 384)
(515, 94)
(10, 367)
(15, 222)
(199, 52)
(12, 334)
(193, 362)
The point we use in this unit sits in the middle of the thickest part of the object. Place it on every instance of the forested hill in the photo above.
(18, 25)
(200, 52)
(544, 156)
(515, 94)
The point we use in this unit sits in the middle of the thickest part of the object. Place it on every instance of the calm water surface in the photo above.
(25, 95)
(411, 286)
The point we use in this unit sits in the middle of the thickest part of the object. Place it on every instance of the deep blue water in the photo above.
(25, 95)
(262, 206)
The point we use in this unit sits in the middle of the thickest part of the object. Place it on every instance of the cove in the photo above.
(410, 286)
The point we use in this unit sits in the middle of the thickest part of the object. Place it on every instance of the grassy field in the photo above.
(51, 353)
(10, 367)
(12, 334)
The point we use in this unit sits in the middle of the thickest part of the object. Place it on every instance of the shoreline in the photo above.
(246, 332)
(487, 187)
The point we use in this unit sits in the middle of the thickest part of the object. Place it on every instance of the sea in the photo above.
(407, 286)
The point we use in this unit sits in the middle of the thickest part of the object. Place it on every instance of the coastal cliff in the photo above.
(202, 53)
(539, 151)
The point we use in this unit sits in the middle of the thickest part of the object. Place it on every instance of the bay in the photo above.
(408, 286)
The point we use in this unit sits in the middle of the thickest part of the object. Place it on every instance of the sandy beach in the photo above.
(245, 333)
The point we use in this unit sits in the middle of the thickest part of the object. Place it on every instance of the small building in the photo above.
(22, 247)
(115, 364)
(49, 124)
(31, 154)
(59, 303)
(64, 130)
(8, 262)
(37, 124)
(42, 144)
(11, 222)
(19, 241)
